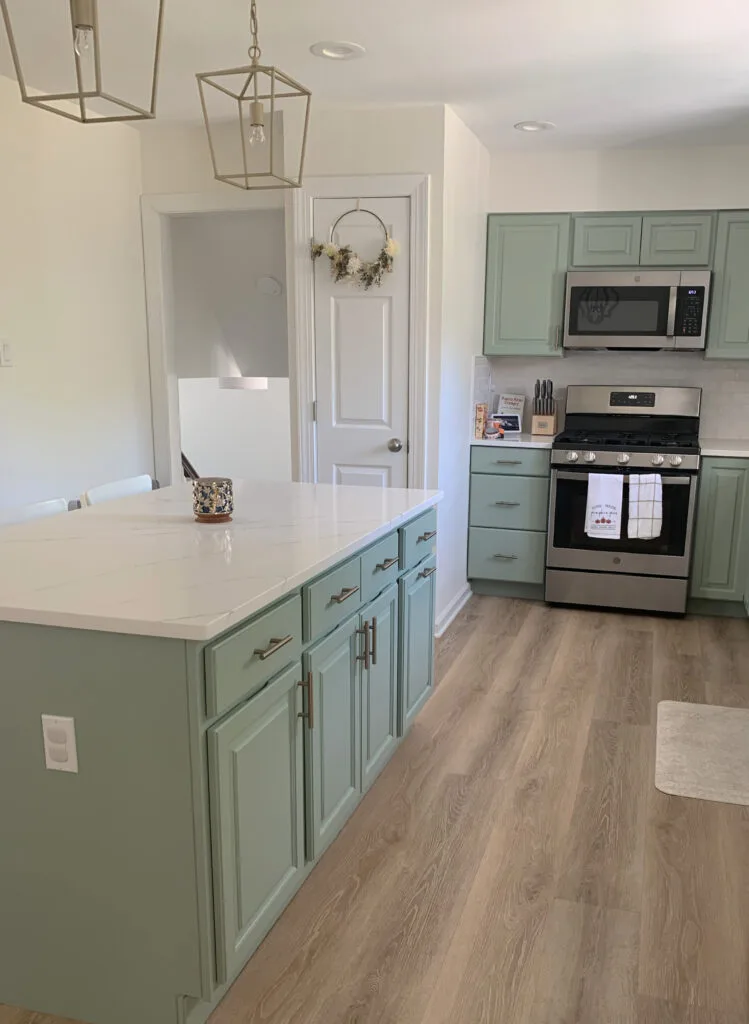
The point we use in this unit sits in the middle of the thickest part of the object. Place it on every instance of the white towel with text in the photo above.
(603, 514)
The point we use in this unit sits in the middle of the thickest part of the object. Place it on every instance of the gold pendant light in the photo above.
(256, 118)
(77, 61)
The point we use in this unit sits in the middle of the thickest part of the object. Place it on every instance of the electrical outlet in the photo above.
(6, 353)
(60, 751)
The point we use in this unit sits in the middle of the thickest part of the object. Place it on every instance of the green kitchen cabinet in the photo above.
(728, 333)
(379, 690)
(416, 669)
(721, 551)
(676, 240)
(610, 240)
(333, 734)
(526, 263)
(256, 773)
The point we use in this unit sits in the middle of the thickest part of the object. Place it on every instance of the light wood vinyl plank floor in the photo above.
(514, 863)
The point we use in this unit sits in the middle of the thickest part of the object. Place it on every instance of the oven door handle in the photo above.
(671, 322)
(684, 481)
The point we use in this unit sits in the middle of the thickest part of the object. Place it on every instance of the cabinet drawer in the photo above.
(380, 567)
(233, 667)
(515, 555)
(510, 461)
(418, 539)
(512, 502)
(331, 599)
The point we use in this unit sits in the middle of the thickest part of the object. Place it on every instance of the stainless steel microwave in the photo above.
(659, 309)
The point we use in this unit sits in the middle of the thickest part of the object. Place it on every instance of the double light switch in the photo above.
(60, 752)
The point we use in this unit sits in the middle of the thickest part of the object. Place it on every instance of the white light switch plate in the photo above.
(60, 752)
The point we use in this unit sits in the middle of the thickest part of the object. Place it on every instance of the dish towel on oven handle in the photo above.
(645, 506)
(603, 513)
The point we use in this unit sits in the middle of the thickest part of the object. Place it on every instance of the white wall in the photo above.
(220, 315)
(701, 177)
(465, 197)
(241, 434)
(75, 408)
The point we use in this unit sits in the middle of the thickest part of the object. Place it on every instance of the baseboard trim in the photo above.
(456, 605)
(722, 609)
(498, 588)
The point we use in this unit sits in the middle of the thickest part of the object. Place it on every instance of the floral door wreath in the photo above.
(346, 265)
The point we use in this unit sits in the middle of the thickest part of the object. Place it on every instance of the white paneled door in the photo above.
(361, 351)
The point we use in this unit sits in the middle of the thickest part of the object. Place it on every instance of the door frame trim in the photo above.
(156, 210)
(300, 277)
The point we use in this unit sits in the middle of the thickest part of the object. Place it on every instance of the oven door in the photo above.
(621, 310)
(569, 546)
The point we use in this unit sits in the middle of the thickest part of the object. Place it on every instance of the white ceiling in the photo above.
(607, 72)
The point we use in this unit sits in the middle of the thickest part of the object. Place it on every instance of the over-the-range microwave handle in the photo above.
(671, 322)
(562, 474)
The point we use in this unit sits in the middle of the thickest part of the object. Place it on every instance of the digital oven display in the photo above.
(633, 399)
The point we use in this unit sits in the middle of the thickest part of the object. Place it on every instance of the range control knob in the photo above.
(623, 458)
(572, 456)
(675, 460)
(657, 460)
(590, 456)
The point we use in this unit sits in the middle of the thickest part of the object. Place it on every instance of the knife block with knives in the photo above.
(544, 422)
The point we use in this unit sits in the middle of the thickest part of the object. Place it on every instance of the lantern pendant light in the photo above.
(79, 57)
(256, 119)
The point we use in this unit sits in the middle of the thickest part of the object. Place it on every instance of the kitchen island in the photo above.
(234, 690)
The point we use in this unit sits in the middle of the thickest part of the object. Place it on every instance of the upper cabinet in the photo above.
(610, 241)
(676, 240)
(728, 334)
(527, 258)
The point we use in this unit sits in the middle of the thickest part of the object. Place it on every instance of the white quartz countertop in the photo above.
(735, 449)
(518, 441)
(142, 565)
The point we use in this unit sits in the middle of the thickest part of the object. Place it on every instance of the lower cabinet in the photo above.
(417, 590)
(334, 735)
(257, 817)
(379, 691)
(721, 550)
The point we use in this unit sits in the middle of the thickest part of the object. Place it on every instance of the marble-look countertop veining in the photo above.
(142, 565)
(732, 449)
(518, 441)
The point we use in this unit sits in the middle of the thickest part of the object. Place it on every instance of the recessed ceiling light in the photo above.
(338, 50)
(534, 126)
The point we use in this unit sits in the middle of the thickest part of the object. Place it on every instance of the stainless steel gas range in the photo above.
(626, 431)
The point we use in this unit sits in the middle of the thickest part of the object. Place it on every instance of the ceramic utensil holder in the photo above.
(544, 426)
(213, 499)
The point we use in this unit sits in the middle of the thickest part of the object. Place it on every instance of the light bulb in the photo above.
(84, 39)
(257, 135)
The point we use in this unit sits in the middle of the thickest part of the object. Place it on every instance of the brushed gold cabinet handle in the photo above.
(426, 573)
(374, 639)
(387, 564)
(309, 714)
(344, 595)
(276, 643)
(507, 558)
(427, 536)
(507, 504)
(364, 631)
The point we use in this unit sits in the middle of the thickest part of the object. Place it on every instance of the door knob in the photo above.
(395, 444)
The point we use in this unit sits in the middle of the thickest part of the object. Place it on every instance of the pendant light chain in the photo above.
(254, 52)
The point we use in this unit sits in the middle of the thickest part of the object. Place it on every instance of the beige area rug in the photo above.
(703, 752)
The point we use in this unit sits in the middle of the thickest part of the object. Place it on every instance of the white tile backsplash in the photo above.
(724, 383)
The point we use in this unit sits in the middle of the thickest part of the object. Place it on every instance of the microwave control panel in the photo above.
(690, 311)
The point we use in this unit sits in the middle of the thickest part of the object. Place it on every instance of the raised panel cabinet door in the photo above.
(333, 737)
(676, 240)
(721, 552)
(609, 241)
(728, 332)
(526, 263)
(416, 662)
(256, 779)
(379, 694)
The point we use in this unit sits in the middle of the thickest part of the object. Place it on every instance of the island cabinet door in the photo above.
(333, 734)
(379, 685)
(256, 771)
(416, 669)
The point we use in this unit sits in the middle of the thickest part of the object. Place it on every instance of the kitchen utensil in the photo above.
(537, 399)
